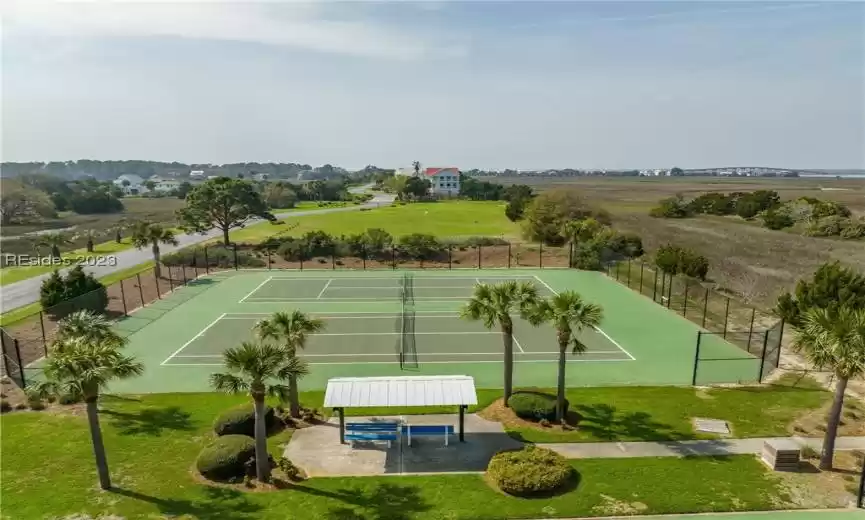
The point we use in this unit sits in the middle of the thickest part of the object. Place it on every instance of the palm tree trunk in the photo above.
(560, 394)
(118, 237)
(832, 425)
(55, 251)
(156, 268)
(508, 338)
(89, 244)
(98, 445)
(293, 400)
(262, 465)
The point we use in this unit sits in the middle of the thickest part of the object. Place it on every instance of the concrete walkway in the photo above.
(754, 446)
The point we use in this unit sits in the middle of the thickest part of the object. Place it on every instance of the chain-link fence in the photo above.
(723, 320)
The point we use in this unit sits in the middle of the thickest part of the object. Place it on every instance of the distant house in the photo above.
(404, 172)
(260, 177)
(166, 185)
(445, 181)
(133, 185)
(196, 175)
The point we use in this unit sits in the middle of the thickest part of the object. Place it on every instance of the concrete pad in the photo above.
(318, 452)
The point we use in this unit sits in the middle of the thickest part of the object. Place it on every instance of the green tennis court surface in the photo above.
(407, 323)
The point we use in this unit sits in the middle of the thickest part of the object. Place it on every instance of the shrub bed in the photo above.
(530, 471)
(240, 420)
(217, 256)
(226, 457)
(535, 406)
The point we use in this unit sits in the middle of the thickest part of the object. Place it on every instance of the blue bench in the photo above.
(372, 431)
(428, 430)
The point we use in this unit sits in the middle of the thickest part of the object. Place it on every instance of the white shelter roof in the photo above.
(348, 392)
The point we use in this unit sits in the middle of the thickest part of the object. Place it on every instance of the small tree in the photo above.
(834, 340)
(493, 305)
(223, 203)
(257, 369)
(81, 369)
(831, 287)
(291, 331)
(569, 315)
(89, 234)
(55, 241)
(147, 233)
(61, 296)
(89, 326)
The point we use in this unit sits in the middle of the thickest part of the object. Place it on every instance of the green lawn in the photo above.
(16, 274)
(443, 219)
(152, 443)
(665, 413)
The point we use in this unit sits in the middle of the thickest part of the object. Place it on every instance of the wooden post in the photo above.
(450, 256)
(393, 258)
(206, 265)
(235, 258)
(726, 316)
(480, 247)
(123, 298)
(462, 422)
(140, 290)
(42, 326)
(642, 266)
(158, 292)
(860, 500)
(341, 425)
(363, 255)
(762, 356)
(20, 363)
(269, 261)
(685, 304)
(509, 255)
(696, 358)
(333, 257)
(751, 330)
(705, 307)
(541, 256)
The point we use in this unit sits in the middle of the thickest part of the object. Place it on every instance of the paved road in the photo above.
(27, 291)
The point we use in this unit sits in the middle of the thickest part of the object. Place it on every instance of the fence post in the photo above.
(269, 261)
(235, 257)
(697, 358)
(42, 326)
(541, 256)
(751, 327)
(726, 316)
(705, 307)
(655, 288)
(479, 255)
(206, 264)
(670, 292)
(170, 281)
(185, 280)
(450, 256)
(641, 277)
(570, 254)
(363, 255)
(685, 304)
(333, 257)
(123, 298)
(763, 355)
(141, 291)
(301, 254)
(20, 364)
(3, 348)
(629, 273)
(780, 339)
(393, 258)
(617, 271)
(158, 292)
(509, 255)
(860, 500)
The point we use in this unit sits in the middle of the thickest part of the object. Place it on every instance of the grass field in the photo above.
(748, 260)
(442, 219)
(152, 442)
(16, 274)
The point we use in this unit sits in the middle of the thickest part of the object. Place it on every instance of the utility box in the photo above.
(781, 455)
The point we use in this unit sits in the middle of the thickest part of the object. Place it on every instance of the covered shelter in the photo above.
(399, 391)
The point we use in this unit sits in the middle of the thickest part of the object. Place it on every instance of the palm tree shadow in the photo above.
(606, 422)
(386, 501)
(149, 421)
(222, 503)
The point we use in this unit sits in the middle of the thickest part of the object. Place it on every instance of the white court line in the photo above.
(614, 342)
(257, 287)
(358, 299)
(304, 355)
(353, 278)
(517, 343)
(212, 323)
(391, 287)
(324, 289)
(425, 362)
(375, 316)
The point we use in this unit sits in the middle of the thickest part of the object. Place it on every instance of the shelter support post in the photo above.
(341, 413)
(462, 422)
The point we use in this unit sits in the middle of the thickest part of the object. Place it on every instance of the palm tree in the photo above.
(90, 234)
(119, 227)
(147, 233)
(569, 315)
(494, 304)
(416, 166)
(291, 330)
(90, 326)
(834, 340)
(81, 369)
(258, 369)
(54, 241)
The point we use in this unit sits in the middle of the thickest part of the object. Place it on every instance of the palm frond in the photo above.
(280, 392)
(228, 383)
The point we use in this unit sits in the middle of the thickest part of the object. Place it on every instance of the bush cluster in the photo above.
(226, 457)
(677, 260)
(530, 471)
(240, 420)
(534, 406)
(217, 256)
(744, 204)
(78, 290)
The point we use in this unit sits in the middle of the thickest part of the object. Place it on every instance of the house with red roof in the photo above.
(444, 181)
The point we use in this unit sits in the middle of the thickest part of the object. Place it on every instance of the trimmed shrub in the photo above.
(217, 256)
(5, 406)
(226, 457)
(291, 471)
(61, 296)
(530, 471)
(240, 420)
(534, 406)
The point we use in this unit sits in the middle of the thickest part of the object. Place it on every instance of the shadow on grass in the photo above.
(606, 423)
(149, 421)
(385, 501)
(225, 504)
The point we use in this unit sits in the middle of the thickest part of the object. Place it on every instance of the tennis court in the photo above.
(407, 323)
